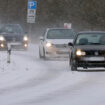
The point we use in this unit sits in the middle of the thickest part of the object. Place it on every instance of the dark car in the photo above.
(88, 50)
(13, 34)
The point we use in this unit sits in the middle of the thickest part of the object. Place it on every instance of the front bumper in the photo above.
(57, 52)
(19, 45)
(98, 61)
(14, 45)
(3, 46)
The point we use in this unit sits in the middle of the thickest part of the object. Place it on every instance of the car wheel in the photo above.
(40, 56)
(44, 55)
(73, 66)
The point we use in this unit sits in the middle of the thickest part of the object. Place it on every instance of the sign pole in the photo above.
(30, 30)
(31, 14)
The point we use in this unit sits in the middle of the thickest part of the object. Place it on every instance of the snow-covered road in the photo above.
(31, 81)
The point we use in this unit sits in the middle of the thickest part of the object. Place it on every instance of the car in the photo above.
(13, 34)
(87, 50)
(54, 42)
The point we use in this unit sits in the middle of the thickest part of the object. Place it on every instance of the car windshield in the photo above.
(11, 29)
(60, 34)
(91, 39)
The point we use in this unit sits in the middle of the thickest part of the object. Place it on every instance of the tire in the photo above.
(73, 66)
(44, 55)
(40, 56)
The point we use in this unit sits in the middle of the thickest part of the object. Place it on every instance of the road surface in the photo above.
(31, 81)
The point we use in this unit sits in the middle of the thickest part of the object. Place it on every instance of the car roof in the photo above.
(85, 32)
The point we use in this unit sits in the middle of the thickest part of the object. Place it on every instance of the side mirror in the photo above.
(70, 44)
(41, 38)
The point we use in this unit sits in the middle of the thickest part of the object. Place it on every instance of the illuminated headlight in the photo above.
(48, 44)
(80, 53)
(2, 45)
(2, 38)
(25, 45)
(25, 38)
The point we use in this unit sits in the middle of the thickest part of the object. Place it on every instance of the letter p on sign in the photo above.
(32, 5)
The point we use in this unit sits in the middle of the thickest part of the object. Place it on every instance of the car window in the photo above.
(90, 39)
(60, 34)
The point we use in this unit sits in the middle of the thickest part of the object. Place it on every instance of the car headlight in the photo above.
(48, 44)
(80, 53)
(25, 38)
(25, 45)
(2, 38)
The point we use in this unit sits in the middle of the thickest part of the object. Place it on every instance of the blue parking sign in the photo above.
(32, 4)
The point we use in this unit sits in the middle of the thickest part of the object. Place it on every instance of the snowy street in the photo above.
(27, 80)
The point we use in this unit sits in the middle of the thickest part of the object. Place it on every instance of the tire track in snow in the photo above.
(42, 77)
(55, 77)
(72, 91)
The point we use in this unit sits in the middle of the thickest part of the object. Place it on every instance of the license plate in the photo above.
(62, 52)
(95, 59)
(15, 43)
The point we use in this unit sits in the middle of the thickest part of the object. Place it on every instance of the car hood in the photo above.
(13, 37)
(11, 34)
(59, 41)
(90, 47)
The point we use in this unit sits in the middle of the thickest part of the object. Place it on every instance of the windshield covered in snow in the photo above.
(91, 39)
(17, 29)
(60, 34)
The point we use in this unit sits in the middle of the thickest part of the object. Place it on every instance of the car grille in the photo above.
(61, 45)
(13, 39)
(95, 53)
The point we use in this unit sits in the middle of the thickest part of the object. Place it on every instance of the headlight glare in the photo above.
(2, 45)
(2, 38)
(25, 45)
(25, 38)
(80, 53)
(48, 44)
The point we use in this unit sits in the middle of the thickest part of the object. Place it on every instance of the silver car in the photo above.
(54, 42)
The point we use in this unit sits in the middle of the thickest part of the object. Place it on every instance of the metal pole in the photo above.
(7, 11)
(30, 30)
